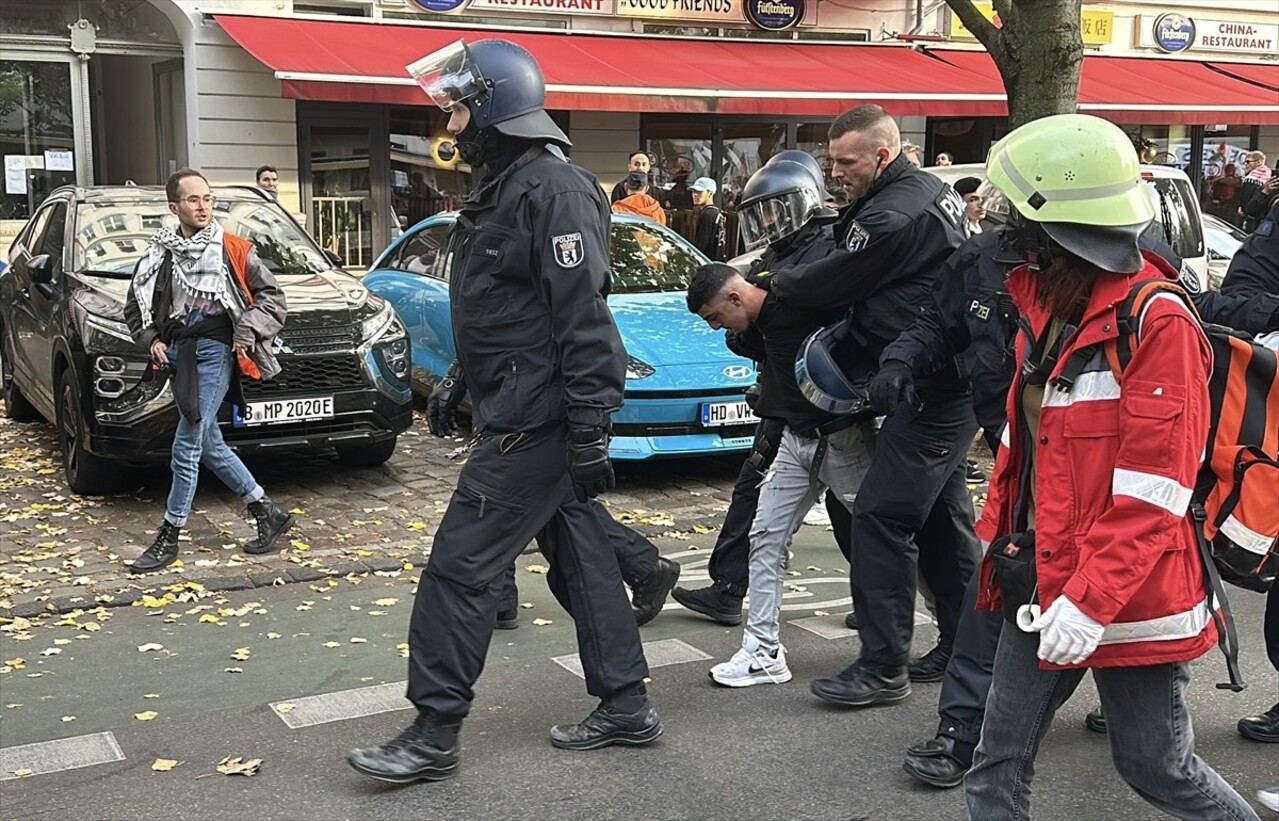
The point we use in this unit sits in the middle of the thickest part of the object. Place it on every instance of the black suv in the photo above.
(66, 354)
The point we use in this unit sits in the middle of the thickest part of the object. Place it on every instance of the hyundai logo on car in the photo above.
(738, 372)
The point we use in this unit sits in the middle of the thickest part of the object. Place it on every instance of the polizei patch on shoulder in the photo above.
(568, 250)
(858, 237)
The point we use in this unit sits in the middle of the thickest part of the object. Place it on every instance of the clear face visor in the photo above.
(767, 221)
(449, 75)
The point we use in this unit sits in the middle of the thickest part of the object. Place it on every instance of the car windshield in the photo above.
(647, 260)
(1223, 238)
(111, 235)
(1174, 213)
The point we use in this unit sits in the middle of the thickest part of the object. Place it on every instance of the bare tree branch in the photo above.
(984, 30)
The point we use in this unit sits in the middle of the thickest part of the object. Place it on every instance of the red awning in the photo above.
(1265, 75)
(364, 62)
(1146, 90)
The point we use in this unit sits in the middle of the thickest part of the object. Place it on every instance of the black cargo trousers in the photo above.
(636, 558)
(514, 488)
(913, 510)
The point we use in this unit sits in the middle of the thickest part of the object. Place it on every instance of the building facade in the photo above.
(94, 92)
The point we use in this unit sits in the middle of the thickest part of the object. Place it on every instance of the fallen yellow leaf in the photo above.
(235, 766)
(208, 618)
(242, 654)
(387, 602)
(22, 772)
(358, 640)
(68, 718)
(146, 648)
(285, 708)
(541, 622)
(146, 716)
(331, 644)
(233, 670)
(539, 568)
(163, 765)
(273, 635)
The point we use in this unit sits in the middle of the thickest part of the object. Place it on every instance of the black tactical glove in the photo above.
(589, 467)
(444, 401)
(752, 395)
(892, 387)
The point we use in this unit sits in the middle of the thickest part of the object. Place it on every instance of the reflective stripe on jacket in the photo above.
(1114, 468)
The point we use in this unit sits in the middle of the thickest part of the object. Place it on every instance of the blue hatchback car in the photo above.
(684, 389)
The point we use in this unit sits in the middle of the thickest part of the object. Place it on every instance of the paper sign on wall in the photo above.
(15, 171)
(59, 161)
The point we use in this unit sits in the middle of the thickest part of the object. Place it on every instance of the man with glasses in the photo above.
(205, 308)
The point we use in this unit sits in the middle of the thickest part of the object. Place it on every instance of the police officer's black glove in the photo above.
(752, 395)
(444, 401)
(589, 467)
(892, 387)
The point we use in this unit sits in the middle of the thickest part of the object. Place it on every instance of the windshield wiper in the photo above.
(107, 274)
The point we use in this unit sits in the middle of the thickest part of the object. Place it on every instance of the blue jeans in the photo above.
(1151, 739)
(201, 442)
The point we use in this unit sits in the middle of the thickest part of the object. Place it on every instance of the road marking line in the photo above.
(45, 757)
(659, 654)
(832, 626)
(344, 704)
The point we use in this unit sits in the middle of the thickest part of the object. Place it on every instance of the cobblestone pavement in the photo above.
(60, 552)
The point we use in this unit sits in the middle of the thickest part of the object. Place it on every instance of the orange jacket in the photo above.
(641, 205)
(1114, 467)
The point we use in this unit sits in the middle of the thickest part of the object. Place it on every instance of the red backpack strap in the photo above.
(1129, 318)
(237, 252)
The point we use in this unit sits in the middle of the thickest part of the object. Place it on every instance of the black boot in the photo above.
(625, 717)
(648, 596)
(850, 621)
(717, 602)
(931, 666)
(162, 552)
(508, 619)
(1096, 721)
(426, 751)
(273, 522)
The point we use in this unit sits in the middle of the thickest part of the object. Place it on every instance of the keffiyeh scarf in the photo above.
(199, 268)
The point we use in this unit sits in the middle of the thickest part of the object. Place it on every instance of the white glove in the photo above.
(1067, 635)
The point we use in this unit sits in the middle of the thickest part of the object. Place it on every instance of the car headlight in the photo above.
(102, 335)
(391, 340)
(373, 327)
(635, 369)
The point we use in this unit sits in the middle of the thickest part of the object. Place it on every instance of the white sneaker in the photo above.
(752, 665)
(1269, 798)
(817, 516)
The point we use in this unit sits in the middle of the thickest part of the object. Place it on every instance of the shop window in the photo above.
(341, 193)
(814, 138)
(422, 182)
(683, 153)
(747, 146)
(36, 130)
(115, 20)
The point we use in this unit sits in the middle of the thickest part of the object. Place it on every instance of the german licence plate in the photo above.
(285, 410)
(716, 414)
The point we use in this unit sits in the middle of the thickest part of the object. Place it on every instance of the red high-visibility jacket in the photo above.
(1114, 468)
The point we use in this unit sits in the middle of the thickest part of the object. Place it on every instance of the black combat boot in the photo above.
(426, 751)
(162, 552)
(625, 717)
(508, 619)
(717, 602)
(648, 596)
(273, 522)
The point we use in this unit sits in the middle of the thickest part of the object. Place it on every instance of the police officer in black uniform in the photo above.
(781, 207)
(891, 241)
(544, 364)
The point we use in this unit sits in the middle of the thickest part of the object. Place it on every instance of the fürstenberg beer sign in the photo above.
(1199, 34)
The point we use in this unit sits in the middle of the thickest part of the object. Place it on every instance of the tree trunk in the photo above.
(1038, 51)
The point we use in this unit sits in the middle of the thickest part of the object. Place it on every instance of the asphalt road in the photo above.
(763, 752)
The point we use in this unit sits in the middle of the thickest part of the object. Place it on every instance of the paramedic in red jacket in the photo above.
(1102, 474)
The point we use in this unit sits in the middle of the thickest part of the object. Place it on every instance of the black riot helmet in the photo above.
(777, 201)
(499, 82)
(803, 158)
(825, 376)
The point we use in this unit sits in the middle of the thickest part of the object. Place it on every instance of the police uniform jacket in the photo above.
(1249, 296)
(889, 246)
(528, 269)
(970, 319)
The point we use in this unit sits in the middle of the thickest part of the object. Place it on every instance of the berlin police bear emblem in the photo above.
(568, 249)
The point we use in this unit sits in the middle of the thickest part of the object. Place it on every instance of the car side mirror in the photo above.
(40, 269)
(334, 258)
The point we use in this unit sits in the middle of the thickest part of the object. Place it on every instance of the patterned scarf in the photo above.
(199, 268)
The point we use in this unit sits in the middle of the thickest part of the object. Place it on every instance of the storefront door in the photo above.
(344, 189)
(39, 119)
